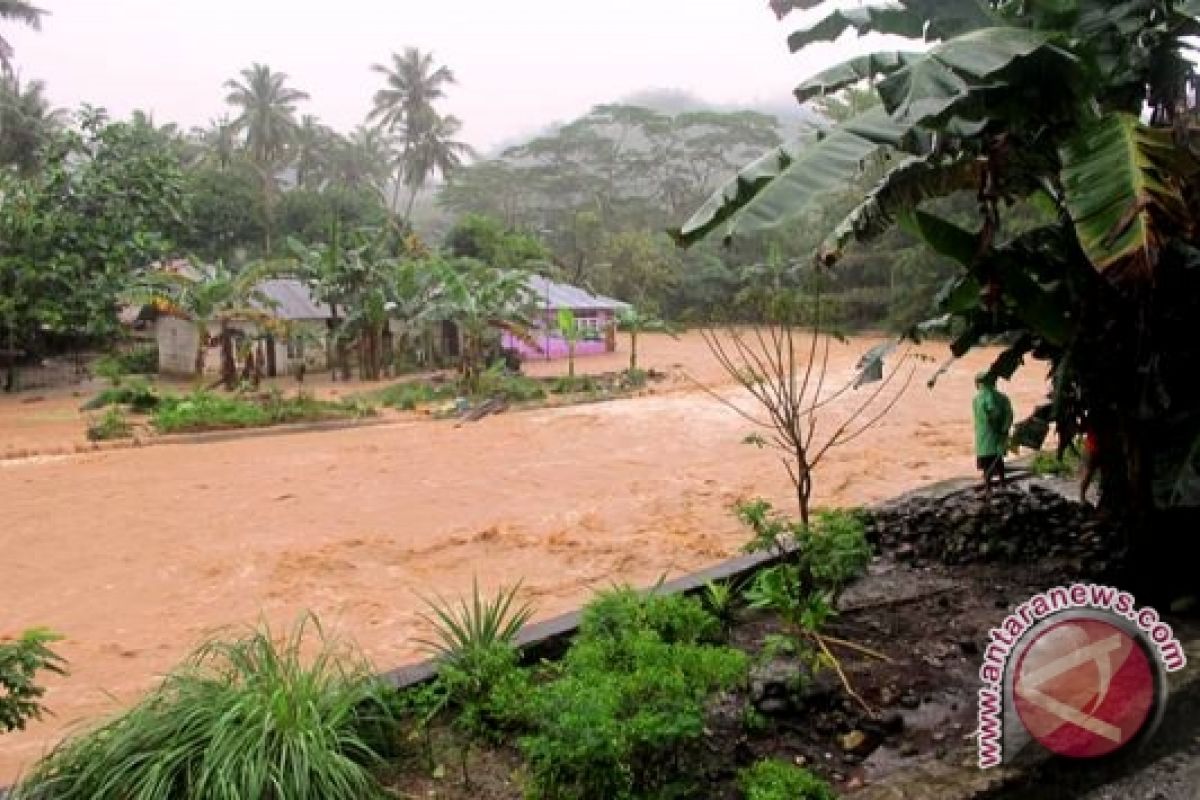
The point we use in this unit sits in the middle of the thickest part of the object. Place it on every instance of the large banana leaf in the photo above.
(854, 70)
(786, 183)
(903, 188)
(931, 19)
(794, 179)
(1122, 182)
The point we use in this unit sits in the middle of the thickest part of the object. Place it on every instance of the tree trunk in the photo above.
(228, 363)
(633, 337)
(571, 359)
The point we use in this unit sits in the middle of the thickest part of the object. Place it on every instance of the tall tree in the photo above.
(314, 144)
(17, 11)
(412, 84)
(434, 152)
(27, 122)
(267, 119)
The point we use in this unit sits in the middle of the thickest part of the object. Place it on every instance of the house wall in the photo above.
(177, 340)
(552, 345)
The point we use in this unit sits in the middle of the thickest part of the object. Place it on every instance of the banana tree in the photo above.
(568, 328)
(1082, 107)
(634, 321)
(208, 296)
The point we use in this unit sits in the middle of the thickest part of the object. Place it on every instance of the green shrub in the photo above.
(137, 394)
(772, 779)
(245, 718)
(201, 411)
(112, 424)
(576, 385)
(407, 396)
(623, 611)
(20, 662)
(138, 361)
(498, 382)
(1048, 463)
(626, 712)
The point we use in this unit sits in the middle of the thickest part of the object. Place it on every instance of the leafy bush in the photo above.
(572, 385)
(244, 718)
(498, 382)
(624, 714)
(1047, 463)
(137, 394)
(621, 612)
(772, 779)
(140, 361)
(201, 411)
(20, 662)
(112, 424)
(407, 396)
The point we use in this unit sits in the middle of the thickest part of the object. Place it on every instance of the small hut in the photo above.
(595, 316)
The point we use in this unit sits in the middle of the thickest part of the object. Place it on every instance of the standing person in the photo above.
(993, 414)
(1091, 460)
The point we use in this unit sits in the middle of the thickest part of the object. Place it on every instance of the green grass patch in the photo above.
(772, 779)
(207, 411)
(112, 424)
(136, 393)
(1047, 463)
(252, 717)
(409, 395)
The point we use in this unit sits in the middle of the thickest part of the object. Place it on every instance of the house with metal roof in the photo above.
(300, 337)
(595, 315)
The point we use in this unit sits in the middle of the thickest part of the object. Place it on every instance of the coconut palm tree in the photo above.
(267, 118)
(19, 11)
(434, 151)
(362, 160)
(216, 142)
(26, 122)
(413, 83)
(313, 145)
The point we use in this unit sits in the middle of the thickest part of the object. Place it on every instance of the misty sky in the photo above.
(521, 64)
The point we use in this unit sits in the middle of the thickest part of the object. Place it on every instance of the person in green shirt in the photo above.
(993, 414)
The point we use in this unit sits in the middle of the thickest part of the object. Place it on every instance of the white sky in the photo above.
(520, 64)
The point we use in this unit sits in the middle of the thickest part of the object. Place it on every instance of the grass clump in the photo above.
(624, 714)
(249, 717)
(1047, 463)
(772, 779)
(112, 424)
(139, 395)
(574, 385)
(516, 388)
(205, 411)
(411, 394)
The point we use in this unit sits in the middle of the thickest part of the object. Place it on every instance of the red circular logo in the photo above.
(1084, 688)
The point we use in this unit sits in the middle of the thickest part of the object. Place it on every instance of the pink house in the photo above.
(594, 314)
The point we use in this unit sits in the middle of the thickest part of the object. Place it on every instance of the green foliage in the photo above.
(137, 394)
(572, 384)
(254, 716)
(142, 360)
(620, 612)
(204, 411)
(772, 779)
(461, 631)
(721, 600)
(498, 382)
(1048, 463)
(20, 662)
(483, 238)
(112, 424)
(410, 394)
(625, 714)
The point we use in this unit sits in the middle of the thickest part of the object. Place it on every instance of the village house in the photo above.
(595, 315)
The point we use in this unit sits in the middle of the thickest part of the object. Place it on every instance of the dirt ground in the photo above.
(134, 555)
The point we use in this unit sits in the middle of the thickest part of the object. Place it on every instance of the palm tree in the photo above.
(314, 144)
(216, 142)
(26, 122)
(268, 120)
(362, 160)
(433, 151)
(20, 11)
(412, 83)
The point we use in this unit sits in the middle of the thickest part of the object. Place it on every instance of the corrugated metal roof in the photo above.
(292, 300)
(554, 295)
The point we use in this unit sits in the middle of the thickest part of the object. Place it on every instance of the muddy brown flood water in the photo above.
(135, 555)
